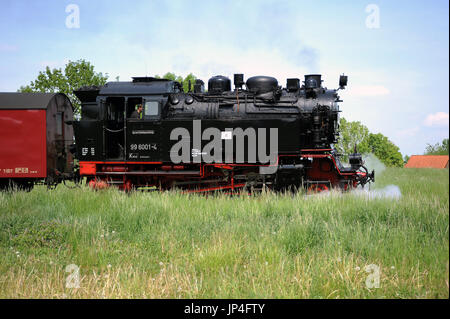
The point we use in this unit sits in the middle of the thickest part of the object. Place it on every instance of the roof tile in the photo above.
(433, 161)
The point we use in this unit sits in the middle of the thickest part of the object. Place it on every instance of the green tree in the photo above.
(189, 77)
(171, 76)
(183, 81)
(385, 150)
(351, 134)
(437, 149)
(355, 133)
(406, 159)
(75, 75)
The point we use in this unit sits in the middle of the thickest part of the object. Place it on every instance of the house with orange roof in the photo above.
(433, 161)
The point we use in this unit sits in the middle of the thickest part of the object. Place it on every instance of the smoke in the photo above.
(388, 192)
(391, 192)
(373, 163)
(369, 192)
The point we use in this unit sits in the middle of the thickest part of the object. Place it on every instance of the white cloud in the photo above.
(206, 60)
(437, 119)
(369, 90)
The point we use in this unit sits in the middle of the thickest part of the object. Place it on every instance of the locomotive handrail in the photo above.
(114, 131)
(203, 97)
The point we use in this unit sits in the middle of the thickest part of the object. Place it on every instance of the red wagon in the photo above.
(35, 136)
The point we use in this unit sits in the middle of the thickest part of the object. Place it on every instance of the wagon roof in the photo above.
(13, 100)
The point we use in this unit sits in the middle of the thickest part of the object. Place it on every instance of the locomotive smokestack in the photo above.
(313, 81)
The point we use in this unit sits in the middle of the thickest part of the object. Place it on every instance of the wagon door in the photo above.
(144, 134)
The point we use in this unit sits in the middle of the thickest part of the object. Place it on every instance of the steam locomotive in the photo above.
(257, 135)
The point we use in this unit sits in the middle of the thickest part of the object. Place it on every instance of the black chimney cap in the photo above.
(313, 81)
(293, 84)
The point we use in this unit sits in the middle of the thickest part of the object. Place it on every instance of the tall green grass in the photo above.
(171, 245)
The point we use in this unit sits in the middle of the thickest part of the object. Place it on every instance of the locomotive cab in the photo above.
(143, 134)
(110, 133)
(122, 132)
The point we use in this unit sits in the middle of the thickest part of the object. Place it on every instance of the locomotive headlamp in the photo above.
(343, 81)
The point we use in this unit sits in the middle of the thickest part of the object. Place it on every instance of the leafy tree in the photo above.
(189, 77)
(75, 75)
(184, 82)
(437, 149)
(171, 76)
(385, 150)
(355, 133)
(406, 159)
(351, 134)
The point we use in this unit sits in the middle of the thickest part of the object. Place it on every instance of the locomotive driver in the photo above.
(137, 114)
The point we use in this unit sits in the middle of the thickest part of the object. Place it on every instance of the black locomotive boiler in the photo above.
(256, 135)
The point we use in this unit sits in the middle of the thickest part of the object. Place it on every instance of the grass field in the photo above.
(169, 245)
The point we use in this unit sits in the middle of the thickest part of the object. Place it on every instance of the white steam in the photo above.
(388, 192)
(373, 163)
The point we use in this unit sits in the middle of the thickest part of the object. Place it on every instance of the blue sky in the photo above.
(398, 73)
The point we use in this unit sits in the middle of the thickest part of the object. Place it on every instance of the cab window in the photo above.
(132, 105)
(151, 108)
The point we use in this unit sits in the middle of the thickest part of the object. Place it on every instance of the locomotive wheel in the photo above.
(317, 188)
(127, 186)
(350, 186)
(97, 184)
